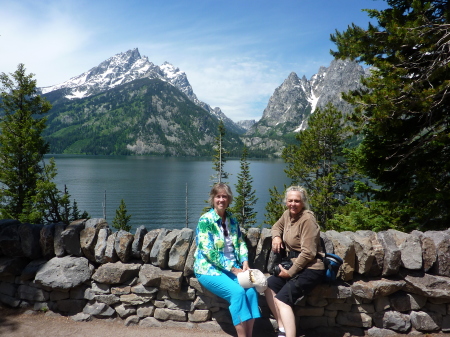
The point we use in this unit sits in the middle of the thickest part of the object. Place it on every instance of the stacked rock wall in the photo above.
(390, 282)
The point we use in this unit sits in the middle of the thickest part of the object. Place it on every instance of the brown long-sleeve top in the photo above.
(302, 234)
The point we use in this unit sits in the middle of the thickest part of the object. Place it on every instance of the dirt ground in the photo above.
(19, 323)
(22, 323)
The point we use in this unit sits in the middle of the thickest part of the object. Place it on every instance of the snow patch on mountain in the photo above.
(129, 66)
(297, 98)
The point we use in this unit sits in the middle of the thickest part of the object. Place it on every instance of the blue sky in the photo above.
(235, 52)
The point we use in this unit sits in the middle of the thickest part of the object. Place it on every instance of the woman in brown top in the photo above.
(299, 234)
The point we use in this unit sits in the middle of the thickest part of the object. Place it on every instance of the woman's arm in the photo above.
(277, 234)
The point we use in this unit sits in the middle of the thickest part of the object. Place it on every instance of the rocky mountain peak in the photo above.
(295, 99)
(128, 66)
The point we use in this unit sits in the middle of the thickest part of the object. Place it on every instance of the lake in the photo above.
(154, 188)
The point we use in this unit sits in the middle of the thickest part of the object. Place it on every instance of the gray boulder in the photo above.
(376, 288)
(363, 251)
(110, 250)
(392, 255)
(32, 294)
(89, 236)
(96, 223)
(377, 252)
(392, 320)
(403, 302)
(179, 251)
(410, 249)
(10, 244)
(147, 244)
(122, 245)
(428, 285)
(426, 321)
(30, 235)
(58, 240)
(29, 272)
(263, 250)
(344, 247)
(12, 266)
(71, 238)
(88, 240)
(164, 249)
(64, 273)
(441, 241)
(189, 265)
(138, 241)
(154, 253)
(171, 281)
(47, 241)
(100, 246)
(116, 273)
(251, 239)
(150, 275)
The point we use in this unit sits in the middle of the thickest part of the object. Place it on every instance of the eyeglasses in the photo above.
(224, 226)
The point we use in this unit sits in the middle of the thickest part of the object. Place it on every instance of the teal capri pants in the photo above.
(243, 302)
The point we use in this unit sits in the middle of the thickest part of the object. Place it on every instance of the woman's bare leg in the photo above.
(285, 311)
(270, 297)
(240, 329)
(248, 325)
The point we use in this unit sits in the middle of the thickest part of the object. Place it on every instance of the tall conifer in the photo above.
(121, 219)
(245, 196)
(274, 207)
(219, 156)
(317, 162)
(404, 113)
(22, 146)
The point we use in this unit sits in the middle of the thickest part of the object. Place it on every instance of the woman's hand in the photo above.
(245, 266)
(283, 272)
(277, 244)
(236, 271)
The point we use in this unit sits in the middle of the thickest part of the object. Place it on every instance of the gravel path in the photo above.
(16, 323)
(20, 323)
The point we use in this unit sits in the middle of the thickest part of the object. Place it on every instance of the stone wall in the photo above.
(391, 282)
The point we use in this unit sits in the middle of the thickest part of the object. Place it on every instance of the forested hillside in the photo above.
(146, 116)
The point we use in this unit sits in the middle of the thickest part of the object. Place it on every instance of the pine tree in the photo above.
(121, 219)
(403, 114)
(317, 162)
(22, 146)
(246, 197)
(275, 207)
(219, 157)
(49, 204)
(75, 212)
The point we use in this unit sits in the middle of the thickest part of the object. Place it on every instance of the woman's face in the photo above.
(294, 202)
(221, 202)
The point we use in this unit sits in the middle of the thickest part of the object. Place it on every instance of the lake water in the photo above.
(154, 188)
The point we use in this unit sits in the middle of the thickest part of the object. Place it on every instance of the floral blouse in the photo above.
(210, 253)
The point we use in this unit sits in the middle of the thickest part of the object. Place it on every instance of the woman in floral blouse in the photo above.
(221, 255)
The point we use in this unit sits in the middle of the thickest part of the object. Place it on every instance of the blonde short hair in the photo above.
(215, 189)
(303, 195)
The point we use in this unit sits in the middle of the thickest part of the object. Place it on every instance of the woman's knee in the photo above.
(238, 292)
(251, 294)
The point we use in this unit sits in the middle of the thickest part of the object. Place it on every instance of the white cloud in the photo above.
(233, 60)
(46, 43)
(241, 87)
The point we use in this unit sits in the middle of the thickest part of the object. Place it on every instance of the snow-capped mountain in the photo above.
(296, 98)
(125, 67)
(119, 69)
